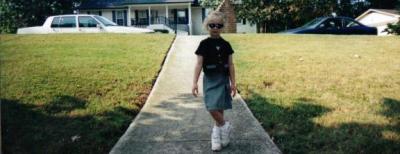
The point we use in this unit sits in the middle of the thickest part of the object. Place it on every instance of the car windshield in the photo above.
(105, 21)
(313, 22)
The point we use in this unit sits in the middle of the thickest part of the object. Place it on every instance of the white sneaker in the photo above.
(225, 132)
(216, 139)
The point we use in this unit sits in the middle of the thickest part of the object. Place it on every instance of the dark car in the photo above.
(333, 25)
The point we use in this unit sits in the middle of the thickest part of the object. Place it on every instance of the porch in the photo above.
(172, 17)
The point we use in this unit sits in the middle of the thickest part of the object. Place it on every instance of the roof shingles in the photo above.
(102, 4)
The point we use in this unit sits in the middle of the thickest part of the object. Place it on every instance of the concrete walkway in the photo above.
(173, 121)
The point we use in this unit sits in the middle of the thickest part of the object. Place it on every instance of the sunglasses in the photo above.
(218, 26)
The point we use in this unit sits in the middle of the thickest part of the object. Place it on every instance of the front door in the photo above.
(119, 18)
(351, 27)
(154, 17)
(142, 17)
(182, 16)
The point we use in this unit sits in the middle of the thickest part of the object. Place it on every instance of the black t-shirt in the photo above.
(215, 51)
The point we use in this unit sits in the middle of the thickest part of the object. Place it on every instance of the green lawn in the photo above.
(322, 94)
(54, 87)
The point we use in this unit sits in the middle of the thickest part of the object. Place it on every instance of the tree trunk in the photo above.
(262, 25)
(265, 27)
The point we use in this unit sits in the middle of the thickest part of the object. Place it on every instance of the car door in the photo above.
(64, 24)
(351, 27)
(338, 26)
(88, 24)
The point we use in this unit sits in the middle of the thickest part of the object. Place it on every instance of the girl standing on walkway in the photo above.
(214, 57)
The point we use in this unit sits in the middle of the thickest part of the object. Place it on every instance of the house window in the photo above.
(119, 17)
(181, 14)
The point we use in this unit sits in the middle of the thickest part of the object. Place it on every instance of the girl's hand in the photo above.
(233, 90)
(195, 90)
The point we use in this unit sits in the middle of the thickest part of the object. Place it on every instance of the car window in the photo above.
(313, 22)
(338, 23)
(331, 24)
(55, 23)
(349, 23)
(67, 22)
(105, 21)
(86, 21)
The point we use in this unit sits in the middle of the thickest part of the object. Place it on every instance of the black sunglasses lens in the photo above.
(211, 25)
(218, 26)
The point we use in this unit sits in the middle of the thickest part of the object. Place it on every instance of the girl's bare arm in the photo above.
(197, 71)
(232, 75)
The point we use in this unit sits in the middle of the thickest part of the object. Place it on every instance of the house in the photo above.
(379, 18)
(180, 16)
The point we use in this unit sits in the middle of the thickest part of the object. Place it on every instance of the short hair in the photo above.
(213, 15)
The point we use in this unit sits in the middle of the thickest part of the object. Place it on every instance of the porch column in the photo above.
(166, 14)
(149, 15)
(190, 19)
(129, 16)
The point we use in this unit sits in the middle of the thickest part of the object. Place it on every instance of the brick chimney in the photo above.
(227, 8)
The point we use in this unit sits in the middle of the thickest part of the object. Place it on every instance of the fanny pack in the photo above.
(216, 68)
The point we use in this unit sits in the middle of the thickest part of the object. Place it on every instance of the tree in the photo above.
(393, 28)
(294, 13)
(356, 9)
(383, 4)
(251, 10)
(351, 8)
(255, 12)
(22, 13)
(210, 3)
(278, 15)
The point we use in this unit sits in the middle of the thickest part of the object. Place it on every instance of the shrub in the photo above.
(393, 28)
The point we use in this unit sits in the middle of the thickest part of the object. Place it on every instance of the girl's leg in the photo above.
(218, 116)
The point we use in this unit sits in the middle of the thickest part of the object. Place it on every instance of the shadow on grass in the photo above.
(179, 123)
(49, 128)
(294, 131)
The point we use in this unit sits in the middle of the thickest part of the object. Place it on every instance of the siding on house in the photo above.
(245, 28)
(197, 20)
(379, 19)
(107, 14)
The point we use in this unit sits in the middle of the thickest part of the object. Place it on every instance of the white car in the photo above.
(80, 24)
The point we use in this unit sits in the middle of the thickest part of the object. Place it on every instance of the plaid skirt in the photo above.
(216, 90)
